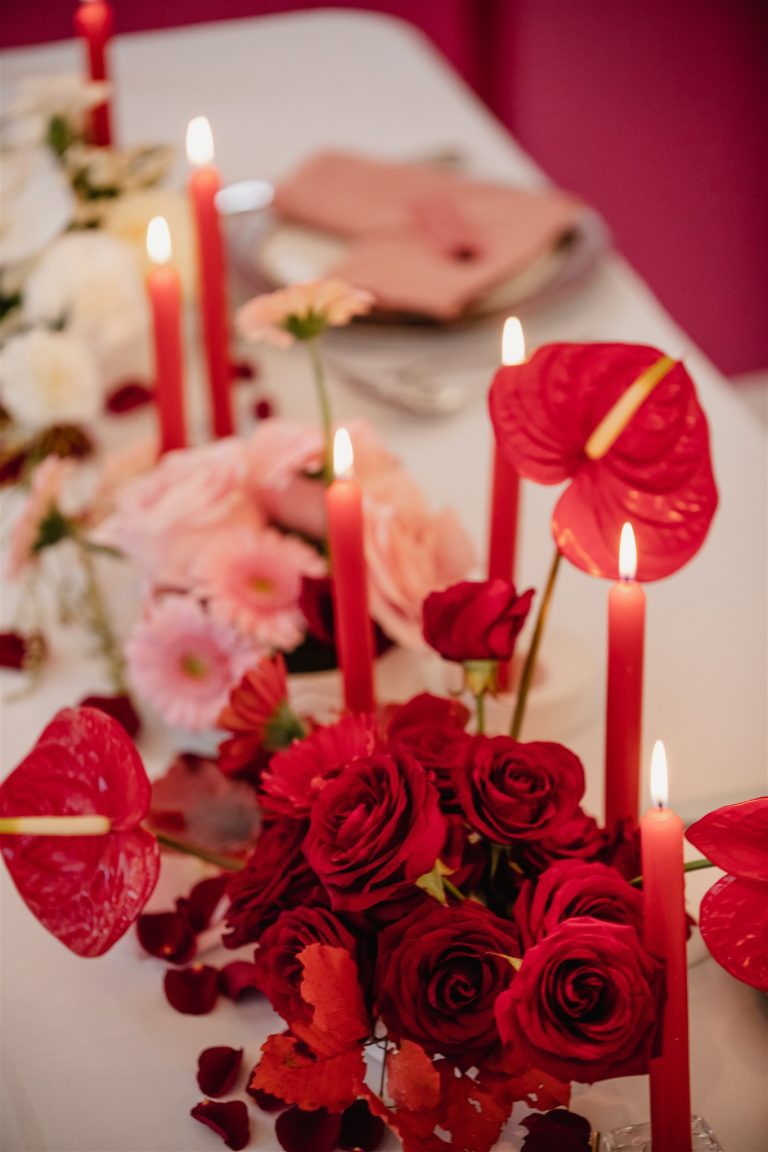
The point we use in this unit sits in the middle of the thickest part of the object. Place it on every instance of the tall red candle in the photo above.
(354, 638)
(164, 291)
(94, 22)
(665, 934)
(624, 699)
(204, 184)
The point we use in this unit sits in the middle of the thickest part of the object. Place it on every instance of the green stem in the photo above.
(454, 891)
(533, 651)
(99, 622)
(480, 711)
(690, 866)
(226, 863)
(325, 409)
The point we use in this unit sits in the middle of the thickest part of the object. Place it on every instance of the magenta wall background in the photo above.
(656, 111)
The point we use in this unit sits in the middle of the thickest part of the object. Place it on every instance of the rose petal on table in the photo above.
(86, 890)
(735, 838)
(192, 991)
(734, 926)
(360, 1129)
(243, 370)
(557, 1131)
(298, 1130)
(167, 935)
(238, 978)
(203, 900)
(217, 1070)
(128, 396)
(228, 1119)
(18, 650)
(657, 474)
(119, 707)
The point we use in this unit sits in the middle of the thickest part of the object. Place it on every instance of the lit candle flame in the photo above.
(512, 342)
(159, 240)
(343, 456)
(199, 141)
(627, 553)
(659, 782)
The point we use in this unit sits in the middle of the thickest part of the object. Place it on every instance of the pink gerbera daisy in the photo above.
(301, 311)
(253, 580)
(185, 662)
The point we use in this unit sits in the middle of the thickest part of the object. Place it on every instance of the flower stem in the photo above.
(480, 711)
(99, 622)
(689, 866)
(533, 651)
(325, 409)
(454, 891)
(226, 863)
(383, 1068)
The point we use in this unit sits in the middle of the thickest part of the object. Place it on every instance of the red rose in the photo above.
(374, 830)
(475, 619)
(438, 976)
(278, 971)
(511, 791)
(580, 838)
(276, 876)
(569, 889)
(431, 728)
(585, 1004)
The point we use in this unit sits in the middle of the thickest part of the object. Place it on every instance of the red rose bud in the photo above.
(586, 1003)
(475, 620)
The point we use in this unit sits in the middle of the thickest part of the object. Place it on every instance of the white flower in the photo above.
(127, 217)
(38, 99)
(49, 377)
(37, 204)
(91, 282)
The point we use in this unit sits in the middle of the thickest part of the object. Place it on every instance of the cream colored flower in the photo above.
(127, 217)
(36, 204)
(39, 99)
(301, 311)
(49, 377)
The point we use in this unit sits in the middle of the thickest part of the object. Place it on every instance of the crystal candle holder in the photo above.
(637, 1138)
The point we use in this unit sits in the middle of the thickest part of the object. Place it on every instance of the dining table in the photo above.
(93, 1057)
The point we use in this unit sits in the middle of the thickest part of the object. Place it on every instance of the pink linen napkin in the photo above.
(423, 240)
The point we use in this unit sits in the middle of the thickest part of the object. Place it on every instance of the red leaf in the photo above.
(412, 1078)
(657, 474)
(735, 838)
(217, 1070)
(228, 1119)
(86, 890)
(734, 925)
(288, 1070)
(331, 986)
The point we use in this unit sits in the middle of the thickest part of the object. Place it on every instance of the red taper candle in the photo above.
(204, 184)
(164, 292)
(94, 23)
(624, 698)
(664, 921)
(354, 637)
(505, 485)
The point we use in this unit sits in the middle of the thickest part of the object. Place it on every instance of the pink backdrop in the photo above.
(654, 111)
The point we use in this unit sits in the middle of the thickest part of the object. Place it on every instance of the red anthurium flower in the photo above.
(87, 890)
(656, 474)
(734, 913)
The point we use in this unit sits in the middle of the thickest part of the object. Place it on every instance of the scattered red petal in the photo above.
(557, 1131)
(167, 935)
(243, 370)
(238, 978)
(203, 900)
(128, 396)
(192, 991)
(735, 838)
(298, 1130)
(228, 1119)
(119, 707)
(360, 1129)
(18, 651)
(86, 890)
(265, 1100)
(263, 409)
(218, 1069)
(734, 926)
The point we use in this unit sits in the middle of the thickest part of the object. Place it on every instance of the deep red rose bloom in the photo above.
(512, 791)
(438, 976)
(279, 972)
(374, 830)
(431, 728)
(276, 876)
(580, 838)
(86, 890)
(557, 1131)
(475, 619)
(585, 1004)
(297, 774)
(570, 888)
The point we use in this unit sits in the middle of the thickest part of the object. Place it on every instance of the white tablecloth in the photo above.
(93, 1058)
